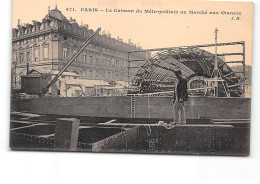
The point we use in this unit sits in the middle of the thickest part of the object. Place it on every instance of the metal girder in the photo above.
(230, 54)
(230, 62)
(191, 61)
(193, 46)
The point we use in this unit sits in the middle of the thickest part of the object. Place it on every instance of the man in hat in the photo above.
(180, 96)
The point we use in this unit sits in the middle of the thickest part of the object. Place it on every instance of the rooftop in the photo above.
(55, 72)
(55, 14)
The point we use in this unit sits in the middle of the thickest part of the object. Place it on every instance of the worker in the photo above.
(180, 96)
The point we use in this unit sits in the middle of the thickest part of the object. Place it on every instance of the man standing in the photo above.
(180, 96)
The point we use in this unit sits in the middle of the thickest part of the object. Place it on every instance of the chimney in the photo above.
(19, 22)
(129, 41)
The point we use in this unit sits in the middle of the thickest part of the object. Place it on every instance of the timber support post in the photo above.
(66, 134)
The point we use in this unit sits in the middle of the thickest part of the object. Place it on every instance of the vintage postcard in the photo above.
(147, 76)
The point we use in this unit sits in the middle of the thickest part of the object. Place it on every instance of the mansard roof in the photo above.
(56, 20)
(55, 14)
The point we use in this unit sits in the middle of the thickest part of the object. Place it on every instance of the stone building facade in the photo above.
(48, 44)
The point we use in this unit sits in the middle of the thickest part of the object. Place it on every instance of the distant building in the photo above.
(69, 85)
(46, 45)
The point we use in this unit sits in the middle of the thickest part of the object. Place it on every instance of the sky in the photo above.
(154, 30)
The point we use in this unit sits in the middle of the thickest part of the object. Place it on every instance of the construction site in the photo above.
(136, 120)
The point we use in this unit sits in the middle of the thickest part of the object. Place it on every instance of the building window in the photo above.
(108, 62)
(36, 55)
(65, 53)
(112, 62)
(21, 57)
(97, 60)
(96, 73)
(84, 73)
(14, 56)
(28, 55)
(65, 38)
(90, 73)
(45, 53)
(117, 64)
(108, 75)
(100, 75)
(84, 58)
(104, 61)
(91, 59)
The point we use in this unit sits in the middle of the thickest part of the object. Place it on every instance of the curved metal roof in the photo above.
(191, 61)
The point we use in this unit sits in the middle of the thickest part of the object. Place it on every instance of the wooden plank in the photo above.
(111, 121)
(27, 126)
(157, 125)
(128, 124)
(31, 122)
(46, 136)
(231, 120)
(25, 114)
(205, 125)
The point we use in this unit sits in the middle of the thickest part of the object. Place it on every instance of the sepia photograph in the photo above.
(145, 77)
(140, 91)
